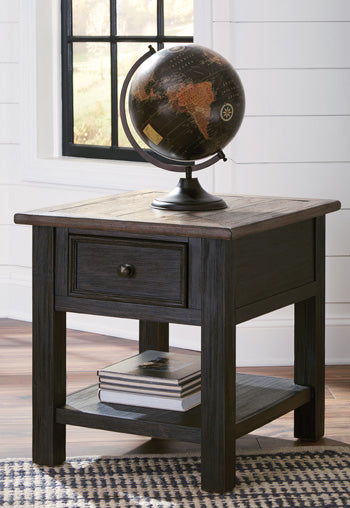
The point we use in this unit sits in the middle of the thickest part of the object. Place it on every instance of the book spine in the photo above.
(154, 392)
(114, 397)
(133, 379)
(135, 386)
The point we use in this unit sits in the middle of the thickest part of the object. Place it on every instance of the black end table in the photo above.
(116, 256)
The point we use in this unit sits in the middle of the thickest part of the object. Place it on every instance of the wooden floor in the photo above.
(88, 352)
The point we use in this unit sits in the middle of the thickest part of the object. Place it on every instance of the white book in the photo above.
(135, 399)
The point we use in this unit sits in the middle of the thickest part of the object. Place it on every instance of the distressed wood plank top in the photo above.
(131, 212)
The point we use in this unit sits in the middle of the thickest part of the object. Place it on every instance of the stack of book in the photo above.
(153, 379)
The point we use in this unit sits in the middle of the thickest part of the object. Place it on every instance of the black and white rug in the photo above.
(298, 478)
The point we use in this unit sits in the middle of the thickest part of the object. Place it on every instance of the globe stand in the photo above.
(189, 195)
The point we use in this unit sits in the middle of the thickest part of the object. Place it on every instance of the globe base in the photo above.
(189, 195)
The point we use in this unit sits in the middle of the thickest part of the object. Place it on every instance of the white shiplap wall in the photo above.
(9, 142)
(295, 67)
(294, 62)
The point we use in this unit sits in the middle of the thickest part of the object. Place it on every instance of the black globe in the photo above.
(186, 102)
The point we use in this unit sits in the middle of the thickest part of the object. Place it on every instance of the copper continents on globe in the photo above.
(186, 102)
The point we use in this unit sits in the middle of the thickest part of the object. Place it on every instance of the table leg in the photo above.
(153, 335)
(218, 367)
(49, 353)
(310, 349)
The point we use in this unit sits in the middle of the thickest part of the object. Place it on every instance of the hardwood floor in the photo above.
(86, 353)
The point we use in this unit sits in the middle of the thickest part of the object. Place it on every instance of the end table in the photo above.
(115, 256)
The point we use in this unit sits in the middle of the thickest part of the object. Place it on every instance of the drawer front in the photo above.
(135, 271)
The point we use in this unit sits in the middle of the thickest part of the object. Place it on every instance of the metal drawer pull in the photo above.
(126, 271)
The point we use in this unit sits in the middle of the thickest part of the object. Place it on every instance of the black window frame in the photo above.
(69, 148)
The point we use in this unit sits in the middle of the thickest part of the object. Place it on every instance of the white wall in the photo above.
(292, 59)
(294, 63)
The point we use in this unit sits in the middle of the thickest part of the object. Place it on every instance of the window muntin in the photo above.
(101, 39)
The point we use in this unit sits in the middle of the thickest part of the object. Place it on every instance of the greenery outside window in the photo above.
(101, 39)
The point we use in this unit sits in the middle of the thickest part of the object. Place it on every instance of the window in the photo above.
(101, 39)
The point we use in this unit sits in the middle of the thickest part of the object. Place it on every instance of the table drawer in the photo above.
(128, 270)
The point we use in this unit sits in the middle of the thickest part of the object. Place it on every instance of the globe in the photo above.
(186, 102)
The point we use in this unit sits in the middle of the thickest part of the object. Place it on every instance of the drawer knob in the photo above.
(126, 271)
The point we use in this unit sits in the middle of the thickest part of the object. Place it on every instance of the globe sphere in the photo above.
(186, 102)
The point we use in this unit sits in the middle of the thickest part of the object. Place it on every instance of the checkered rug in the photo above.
(305, 477)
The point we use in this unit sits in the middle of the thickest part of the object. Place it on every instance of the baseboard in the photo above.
(266, 341)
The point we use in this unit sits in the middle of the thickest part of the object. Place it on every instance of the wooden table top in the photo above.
(131, 212)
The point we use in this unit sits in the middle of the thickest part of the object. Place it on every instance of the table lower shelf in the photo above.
(260, 399)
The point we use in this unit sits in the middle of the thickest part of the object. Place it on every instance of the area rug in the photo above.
(297, 477)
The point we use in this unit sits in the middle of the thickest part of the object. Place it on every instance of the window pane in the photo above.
(92, 93)
(178, 17)
(136, 18)
(128, 53)
(90, 17)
